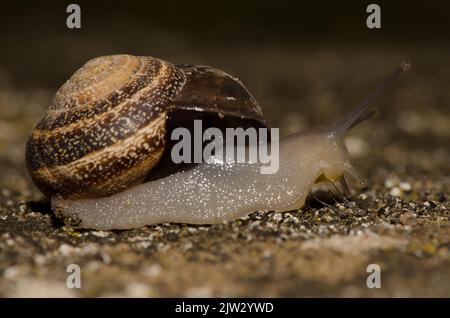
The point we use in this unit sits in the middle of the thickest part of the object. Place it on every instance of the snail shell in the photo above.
(107, 126)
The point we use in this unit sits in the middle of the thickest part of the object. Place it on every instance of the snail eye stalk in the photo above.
(358, 114)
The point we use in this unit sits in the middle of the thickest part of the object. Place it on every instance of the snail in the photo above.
(105, 133)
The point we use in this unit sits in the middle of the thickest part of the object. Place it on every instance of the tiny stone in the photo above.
(93, 266)
(396, 192)
(138, 290)
(89, 249)
(405, 186)
(389, 183)
(106, 258)
(196, 292)
(40, 259)
(277, 217)
(11, 272)
(65, 249)
(408, 218)
(22, 208)
(153, 270)
(362, 196)
(188, 246)
(100, 233)
(10, 242)
(294, 219)
(145, 245)
(192, 230)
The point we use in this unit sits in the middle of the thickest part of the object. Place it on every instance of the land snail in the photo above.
(100, 152)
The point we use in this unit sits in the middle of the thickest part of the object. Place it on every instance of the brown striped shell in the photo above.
(106, 128)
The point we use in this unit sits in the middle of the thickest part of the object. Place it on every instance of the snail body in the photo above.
(215, 192)
(102, 184)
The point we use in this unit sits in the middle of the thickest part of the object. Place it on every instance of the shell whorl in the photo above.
(105, 128)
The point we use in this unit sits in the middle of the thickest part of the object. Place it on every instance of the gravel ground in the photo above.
(398, 220)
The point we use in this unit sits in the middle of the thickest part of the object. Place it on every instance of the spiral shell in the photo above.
(106, 127)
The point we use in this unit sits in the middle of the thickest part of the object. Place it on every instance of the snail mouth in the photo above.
(329, 175)
(322, 178)
(343, 191)
(333, 176)
(326, 191)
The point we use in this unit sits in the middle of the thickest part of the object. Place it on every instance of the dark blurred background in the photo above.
(38, 49)
(306, 62)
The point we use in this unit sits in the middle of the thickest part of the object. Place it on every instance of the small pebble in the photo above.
(40, 259)
(199, 292)
(106, 258)
(66, 249)
(89, 249)
(389, 183)
(277, 217)
(153, 270)
(102, 234)
(405, 186)
(11, 272)
(138, 290)
(396, 192)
